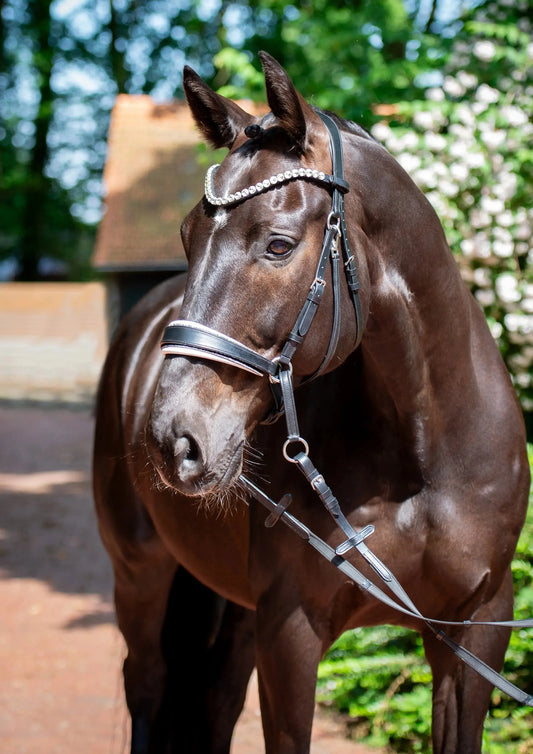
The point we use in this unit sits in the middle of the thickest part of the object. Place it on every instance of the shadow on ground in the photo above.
(47, 524)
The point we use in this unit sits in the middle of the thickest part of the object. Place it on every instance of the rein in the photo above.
(187, 338)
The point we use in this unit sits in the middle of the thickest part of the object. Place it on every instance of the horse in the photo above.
(401, 399)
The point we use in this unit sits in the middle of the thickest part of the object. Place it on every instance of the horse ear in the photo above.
(288, 105)
(219, 119)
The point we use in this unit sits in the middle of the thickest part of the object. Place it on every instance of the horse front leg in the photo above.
(460, 695)
(208, 646)
(142, 588)
(288, 651)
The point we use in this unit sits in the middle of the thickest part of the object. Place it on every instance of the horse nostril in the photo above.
(193, 452)
(186, 451)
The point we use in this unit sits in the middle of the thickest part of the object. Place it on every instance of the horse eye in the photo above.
(279, 248)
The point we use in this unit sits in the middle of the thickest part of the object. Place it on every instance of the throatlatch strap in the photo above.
(338, 208)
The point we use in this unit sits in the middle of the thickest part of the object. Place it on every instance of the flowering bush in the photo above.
(469, 146)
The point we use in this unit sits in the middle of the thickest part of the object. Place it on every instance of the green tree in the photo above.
(35, 208)
(342, 56)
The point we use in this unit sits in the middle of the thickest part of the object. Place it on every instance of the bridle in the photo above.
(192, 339)
(186, 338)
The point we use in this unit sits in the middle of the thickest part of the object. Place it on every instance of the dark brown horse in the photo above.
(417, 430)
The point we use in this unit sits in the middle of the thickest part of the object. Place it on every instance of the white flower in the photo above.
(426, 178)
(485, 297)
(448, 188)
(466, 115)
(468, 80)
(479, 218)
(527, 303)
(459, 172)
(460, 132)
(484, 50)
(452, 87)
(478, 108)
(523, 231)
(381, 132)
(519, 323)
(440, 168)
(482, 248)
(506, 187)
(503, 249)
(487, 94)
(496, 329)
(491, 205)
(409, 162)
(514, 115)
(502, 234)
(435, 94)
(408, 141)
(507, 289)
(424, 119)
(474, 160)
(467, 247)
(482, 277)
(435, 142)
(494, 139)
(505, 219)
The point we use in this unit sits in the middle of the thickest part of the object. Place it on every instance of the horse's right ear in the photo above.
(219, 119)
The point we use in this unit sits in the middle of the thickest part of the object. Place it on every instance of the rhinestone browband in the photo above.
(268, 183)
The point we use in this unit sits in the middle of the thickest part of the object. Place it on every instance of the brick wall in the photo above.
(53, 340)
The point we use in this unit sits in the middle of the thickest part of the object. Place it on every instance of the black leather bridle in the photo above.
(191, 339)
(186, 338)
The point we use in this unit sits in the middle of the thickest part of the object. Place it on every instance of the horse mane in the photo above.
(347, 125)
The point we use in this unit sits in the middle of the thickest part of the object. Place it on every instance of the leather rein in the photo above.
(186, 338)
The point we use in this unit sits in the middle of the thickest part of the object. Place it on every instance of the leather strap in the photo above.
(338, 209)
(193, 339)
(279, 512)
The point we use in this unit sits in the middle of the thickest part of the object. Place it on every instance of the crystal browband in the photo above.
(268, 183)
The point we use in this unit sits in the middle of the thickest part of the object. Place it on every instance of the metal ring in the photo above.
(272, 377)
(288, 441)
(333, 216)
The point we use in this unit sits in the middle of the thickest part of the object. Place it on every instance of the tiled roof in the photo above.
(152, 179)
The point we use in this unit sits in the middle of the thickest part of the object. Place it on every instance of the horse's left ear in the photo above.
(286, 103)
(218, 118)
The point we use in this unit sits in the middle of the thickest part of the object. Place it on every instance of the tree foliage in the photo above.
(64, 62)
(450, 97)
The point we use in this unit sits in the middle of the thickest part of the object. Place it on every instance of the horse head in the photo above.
(252, 260)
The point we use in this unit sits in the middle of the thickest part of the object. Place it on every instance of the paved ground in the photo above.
(60, 651)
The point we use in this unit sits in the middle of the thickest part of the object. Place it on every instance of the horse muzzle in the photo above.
(191, 461)
(197, 429)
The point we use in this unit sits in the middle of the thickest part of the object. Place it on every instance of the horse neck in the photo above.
(416, 348)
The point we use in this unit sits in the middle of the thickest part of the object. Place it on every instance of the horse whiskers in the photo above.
(221, 502)
(227, 500)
